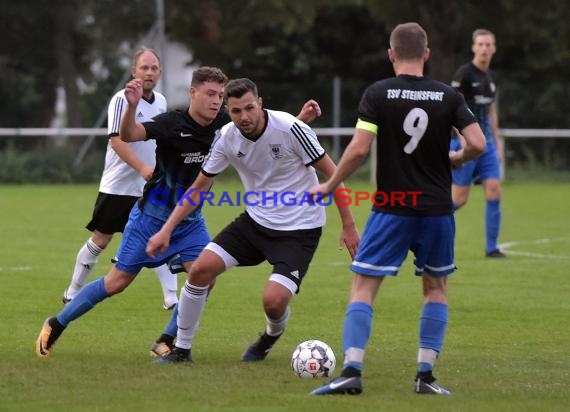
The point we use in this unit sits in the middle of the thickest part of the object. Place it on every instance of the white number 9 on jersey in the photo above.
(415, 125)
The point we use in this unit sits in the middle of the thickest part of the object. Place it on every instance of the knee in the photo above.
(435, 289)
(493, 191)
(459, 202)
(201, 275)
(460, 197)
(204, 270)
(275, 306)
(101, 239)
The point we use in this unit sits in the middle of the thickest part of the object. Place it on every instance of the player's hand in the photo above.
(321, 191)
(134, 91)
(159, 242)
(350, 239)
(310, 111)
(456, 159)
(146, 172)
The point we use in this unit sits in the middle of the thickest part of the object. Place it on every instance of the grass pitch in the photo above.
(506, 348)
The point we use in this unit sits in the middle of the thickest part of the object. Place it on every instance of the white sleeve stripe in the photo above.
(216, 140)
(117, 116)
(306, 143)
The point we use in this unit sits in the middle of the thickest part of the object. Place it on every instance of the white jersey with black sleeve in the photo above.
(275, 170)
(118, 177)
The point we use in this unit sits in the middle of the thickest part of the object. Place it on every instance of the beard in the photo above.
(148, 86)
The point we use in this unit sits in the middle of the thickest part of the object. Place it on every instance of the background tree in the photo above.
(27, 63)
(292, 48)
(82, 46)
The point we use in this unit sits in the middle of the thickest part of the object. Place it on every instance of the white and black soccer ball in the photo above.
(313, 359)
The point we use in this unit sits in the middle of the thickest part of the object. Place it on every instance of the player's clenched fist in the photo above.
(134, 91)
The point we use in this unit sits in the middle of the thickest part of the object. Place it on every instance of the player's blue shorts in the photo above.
(187, 241)
(484, 167)
(387, 239)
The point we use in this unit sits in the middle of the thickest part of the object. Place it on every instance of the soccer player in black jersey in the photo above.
(183, 139)
(412, 117)
(478, 85)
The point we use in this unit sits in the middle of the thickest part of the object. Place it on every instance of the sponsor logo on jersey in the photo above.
(481, 99)
(276, 151)
(140, 115)
(182, 134)
(240, 154)
(196, 157)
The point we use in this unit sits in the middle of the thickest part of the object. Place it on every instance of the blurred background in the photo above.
(62, 60)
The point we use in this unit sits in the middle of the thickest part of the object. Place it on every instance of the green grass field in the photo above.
(506, 349)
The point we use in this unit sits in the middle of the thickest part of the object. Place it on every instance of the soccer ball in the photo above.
(313, 359)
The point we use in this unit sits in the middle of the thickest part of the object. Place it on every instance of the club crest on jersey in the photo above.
(276, 151)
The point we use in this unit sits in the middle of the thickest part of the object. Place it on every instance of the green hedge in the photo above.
(49, 164)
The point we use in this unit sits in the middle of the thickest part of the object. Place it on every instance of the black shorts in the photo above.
(290, 252)
(111, 213)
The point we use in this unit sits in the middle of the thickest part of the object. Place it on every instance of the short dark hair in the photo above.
(238, 87)
(208, 74)
(408, 41)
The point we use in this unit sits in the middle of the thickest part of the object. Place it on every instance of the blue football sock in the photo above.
(492, 224)
(424, 367)
(172, 328)
(433, 323)
(356, 331)
(91, 294)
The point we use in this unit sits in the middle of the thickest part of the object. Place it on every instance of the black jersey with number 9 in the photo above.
(414, 116)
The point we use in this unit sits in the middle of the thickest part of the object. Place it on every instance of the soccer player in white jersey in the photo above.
(276, 156)
(127, 167)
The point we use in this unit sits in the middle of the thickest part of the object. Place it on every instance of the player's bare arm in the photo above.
(475, 143)
(128, 156)
(130, 130)
(494, 119)
(187, 204)
(309, 112)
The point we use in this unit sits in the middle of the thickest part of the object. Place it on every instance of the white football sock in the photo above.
(169, 283)
(277, 327)
(190, 307)
(84, 264)
(428, 356)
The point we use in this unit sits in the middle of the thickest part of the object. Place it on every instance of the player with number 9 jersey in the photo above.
(411, 117)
